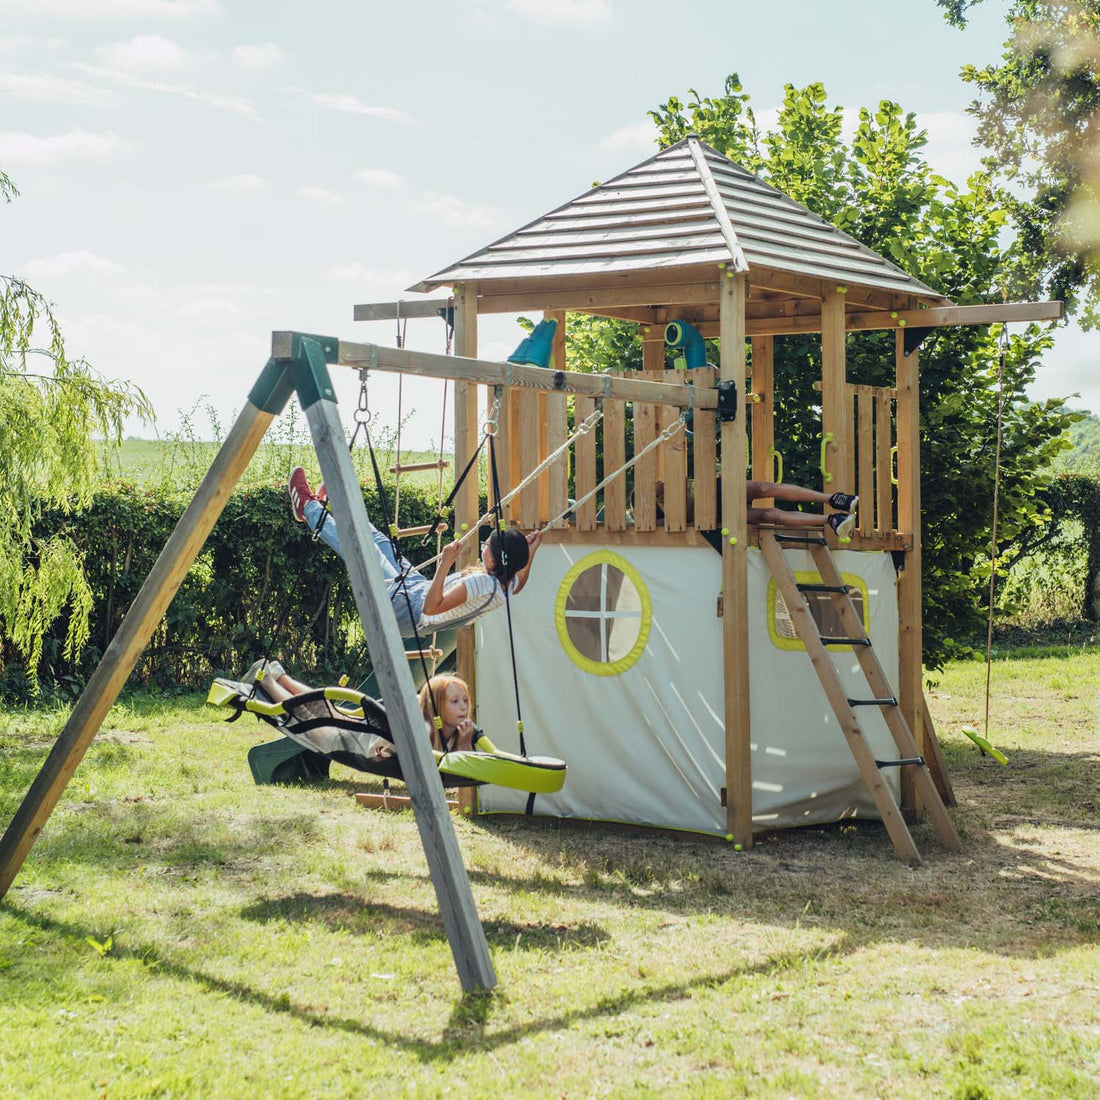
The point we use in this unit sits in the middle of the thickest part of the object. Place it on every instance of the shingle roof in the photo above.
(686, 205)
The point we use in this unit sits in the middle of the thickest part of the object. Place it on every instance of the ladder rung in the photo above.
(411, 467)
(839, 588)
(403, 532)
(801, 540)
(900, 763)
(845, 641)
(890, 702)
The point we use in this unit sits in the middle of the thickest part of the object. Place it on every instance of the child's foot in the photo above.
(843, 502)
(322, 493)
(300, 493)
(841, 522)
(270, 668)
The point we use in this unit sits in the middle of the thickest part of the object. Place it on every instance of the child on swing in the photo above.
(443, 602)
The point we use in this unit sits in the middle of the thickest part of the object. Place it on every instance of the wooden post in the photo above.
(545, 412)
(836, 410)
(466, 503)
(763, 412)
(910, 630)
(735, 574)
(133, 635)
(452, 885)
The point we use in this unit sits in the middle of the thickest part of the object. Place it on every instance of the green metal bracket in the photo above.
(311, 377)
(273, 388)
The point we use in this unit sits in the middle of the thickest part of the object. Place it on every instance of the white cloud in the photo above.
(376, 282)
(243, 184)
(261, 56)
(588, 13)
(378, 177)
(146, 51)
(455, 211)
(128, 80)
(68, 263)
(641, 137)
(112, 9)
(340, 101)
(320, 194)
(16, 148)
(950, 151)
(46, 88)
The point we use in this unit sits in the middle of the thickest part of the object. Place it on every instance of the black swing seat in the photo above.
(337, 723)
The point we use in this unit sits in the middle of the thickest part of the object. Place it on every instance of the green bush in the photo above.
(260, 585)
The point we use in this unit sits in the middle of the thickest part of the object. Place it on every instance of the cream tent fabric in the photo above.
(645, 745)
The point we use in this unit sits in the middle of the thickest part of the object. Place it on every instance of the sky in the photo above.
(195, 174)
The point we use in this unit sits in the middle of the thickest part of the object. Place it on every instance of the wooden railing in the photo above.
(875, 436)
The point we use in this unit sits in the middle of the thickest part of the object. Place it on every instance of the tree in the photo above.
(1038, 116)
(52, 409)
(879, 188)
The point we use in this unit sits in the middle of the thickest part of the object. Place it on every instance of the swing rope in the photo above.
(996, 504)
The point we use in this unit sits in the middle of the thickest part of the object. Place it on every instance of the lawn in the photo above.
(179, 932)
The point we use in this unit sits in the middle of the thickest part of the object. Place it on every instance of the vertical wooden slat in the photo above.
(653, 366)
(675, 479)
(613, 427)
(645, 471)
(507, 451)
(910, 631)
(545, 446)
(735, 618)
(466, 503)
(835, 397)
(557, 429)
(585, 468)
(884, 485)
(705, 454)
(865, 437)
(527, 429)
(763, 412)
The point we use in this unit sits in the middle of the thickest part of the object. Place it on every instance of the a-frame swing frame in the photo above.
(299, 364)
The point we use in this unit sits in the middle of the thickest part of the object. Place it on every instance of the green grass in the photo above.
(283, 942)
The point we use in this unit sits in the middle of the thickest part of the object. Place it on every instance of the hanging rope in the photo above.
(996, 505)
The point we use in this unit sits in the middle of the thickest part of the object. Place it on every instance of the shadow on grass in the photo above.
(471, 1015)
(349, 913)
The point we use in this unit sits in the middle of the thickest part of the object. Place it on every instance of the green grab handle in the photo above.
(826, 439)
(777, 468)
(893, 465)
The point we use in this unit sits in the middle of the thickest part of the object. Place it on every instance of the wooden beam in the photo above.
(130, 640)
(383, 800)
(588, 300)
(835, 399)
(763, 412)
(910, 629)
(391, 667)
(466, 503)
(557, 418)
(391, 311)
(430, 365)
(735, 618)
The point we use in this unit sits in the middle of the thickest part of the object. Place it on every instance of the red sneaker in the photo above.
(322, 493)
(300, 493)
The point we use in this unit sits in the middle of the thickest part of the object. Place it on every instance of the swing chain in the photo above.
(362, 412)
(492, 423)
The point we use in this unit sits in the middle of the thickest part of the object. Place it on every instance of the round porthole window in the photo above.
(603, 613)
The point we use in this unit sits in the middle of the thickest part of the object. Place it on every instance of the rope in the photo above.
(993, 534)
(585, 426)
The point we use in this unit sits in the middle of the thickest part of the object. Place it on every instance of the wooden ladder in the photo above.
(883, 696)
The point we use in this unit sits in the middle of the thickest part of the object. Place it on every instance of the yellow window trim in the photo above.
(810, 577)
(603, 668)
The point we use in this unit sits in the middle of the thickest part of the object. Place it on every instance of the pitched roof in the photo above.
(686, 205)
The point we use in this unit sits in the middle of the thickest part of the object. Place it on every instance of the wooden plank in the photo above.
(865, 484)
(735, 581)
(910, 629)
(130, 640)
(527, 429)
(666, 294)
(884, 485)
(644, 502)
(387, 651)
(837, 697)
(584, 450)
(835, 399)
(546, 511)
(466, 502)
(653, 370)
(763, 413)
(383, 800)
(630, 537)
(705, 455)
(390, 311)
(614, 456)
(429, 365)
(672, 470)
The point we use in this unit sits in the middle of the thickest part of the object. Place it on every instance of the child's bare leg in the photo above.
(796, 493)
(785, 519)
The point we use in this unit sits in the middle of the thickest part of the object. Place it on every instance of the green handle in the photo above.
(826, 439)
(893, 465)
(778, 467)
